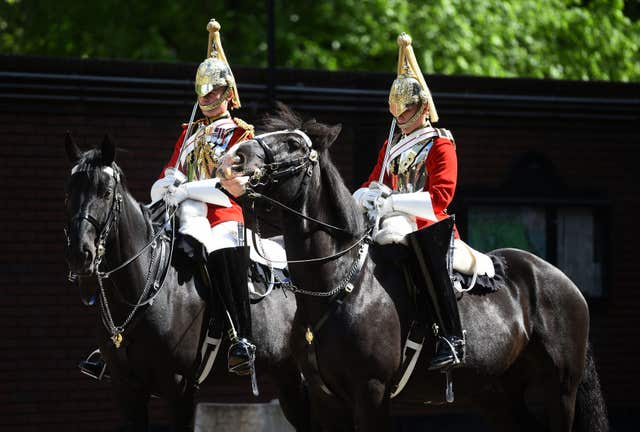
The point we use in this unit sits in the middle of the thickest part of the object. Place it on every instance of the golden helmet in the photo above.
(215, 72)
(409, 87)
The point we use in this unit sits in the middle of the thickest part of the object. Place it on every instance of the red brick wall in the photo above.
(591, 140)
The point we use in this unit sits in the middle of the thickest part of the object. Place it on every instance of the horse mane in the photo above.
(322, 136)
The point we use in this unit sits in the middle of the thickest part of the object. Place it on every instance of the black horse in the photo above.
(159, 346)
(528, 363)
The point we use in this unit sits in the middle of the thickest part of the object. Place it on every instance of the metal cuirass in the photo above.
(204, 149)
(410, 167)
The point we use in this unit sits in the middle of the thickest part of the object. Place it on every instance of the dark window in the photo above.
(534, 211)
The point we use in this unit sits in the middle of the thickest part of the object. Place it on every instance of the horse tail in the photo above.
(591, 411)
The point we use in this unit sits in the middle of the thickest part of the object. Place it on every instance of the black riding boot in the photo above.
(430, 247)
(95, 366)
(228, 270)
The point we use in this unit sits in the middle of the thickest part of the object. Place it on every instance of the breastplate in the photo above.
(203, 151)
(411, 169)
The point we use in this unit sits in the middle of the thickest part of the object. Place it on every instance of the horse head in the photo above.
(93, 196)
(281, 160)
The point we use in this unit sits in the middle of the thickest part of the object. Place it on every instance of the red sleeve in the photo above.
(176, 152)
(375, 174)
(442, 166)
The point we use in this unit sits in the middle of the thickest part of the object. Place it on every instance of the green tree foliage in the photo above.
(563, 39)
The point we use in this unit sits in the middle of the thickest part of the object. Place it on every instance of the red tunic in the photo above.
(442, 175)
(216, 214)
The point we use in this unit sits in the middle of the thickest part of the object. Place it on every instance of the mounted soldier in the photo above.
(208, 217)
(407, 195)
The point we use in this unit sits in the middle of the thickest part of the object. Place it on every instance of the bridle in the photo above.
(272, 172)
(103, 230)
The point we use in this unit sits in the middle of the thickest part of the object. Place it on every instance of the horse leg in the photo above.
(560, 384)
(508, 413)
(372, 407)
(293, 395)
(133, 406)
(182, 407)
(560, 405)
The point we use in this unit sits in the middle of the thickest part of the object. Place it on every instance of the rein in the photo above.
(252, 194)
(272, 172)
(111, 221)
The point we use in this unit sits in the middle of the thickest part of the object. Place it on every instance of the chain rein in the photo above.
(270, 174)
(111, 221)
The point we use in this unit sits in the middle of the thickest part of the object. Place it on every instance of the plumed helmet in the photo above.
(215, 72)
(409, 87)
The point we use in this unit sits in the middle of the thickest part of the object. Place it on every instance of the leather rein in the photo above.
(272, 172)
(104, 231)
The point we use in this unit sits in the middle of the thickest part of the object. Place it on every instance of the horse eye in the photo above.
(292, 144)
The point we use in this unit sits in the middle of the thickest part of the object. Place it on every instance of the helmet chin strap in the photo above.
(223, 97)
(419, 112)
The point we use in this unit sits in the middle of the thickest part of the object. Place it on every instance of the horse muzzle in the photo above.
(81, 259)
(231, 166)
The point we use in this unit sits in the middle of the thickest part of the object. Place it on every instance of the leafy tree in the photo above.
(563, 39)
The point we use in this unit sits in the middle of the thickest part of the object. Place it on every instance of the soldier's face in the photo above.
(211, 98)
(404, 120)
(407, 114)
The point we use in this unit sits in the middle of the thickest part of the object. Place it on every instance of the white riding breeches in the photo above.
(194, 222)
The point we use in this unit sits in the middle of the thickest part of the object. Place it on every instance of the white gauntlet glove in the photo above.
(374, 200)
(201, 190)
(359, 197)
(377, 201)
(175, 195)
(161, 186)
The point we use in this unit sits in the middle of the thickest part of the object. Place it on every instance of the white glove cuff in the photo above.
(416, 204)
(206, 191)
(359, 195)
(159, 188)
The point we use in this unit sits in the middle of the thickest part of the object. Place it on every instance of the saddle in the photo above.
(268, 266)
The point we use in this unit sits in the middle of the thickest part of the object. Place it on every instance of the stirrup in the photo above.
(452, 360)
(94, 366)
(245, 353)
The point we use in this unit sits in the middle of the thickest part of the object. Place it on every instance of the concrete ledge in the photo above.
(241, 418)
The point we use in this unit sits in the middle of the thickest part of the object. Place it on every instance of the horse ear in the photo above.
(73, 152)
(108, 150)
(332, 134)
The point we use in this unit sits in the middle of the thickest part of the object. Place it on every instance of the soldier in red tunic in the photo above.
(207, 215)
(410, 188)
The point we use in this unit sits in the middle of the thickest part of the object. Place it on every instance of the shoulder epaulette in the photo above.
(248, 129)
(195, 122)
(445, 133)
(243, 124)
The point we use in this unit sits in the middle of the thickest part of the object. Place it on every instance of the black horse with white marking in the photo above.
(528, 363)
(159, 345)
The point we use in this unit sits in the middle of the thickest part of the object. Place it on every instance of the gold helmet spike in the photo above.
(215, 71)
(409, 87)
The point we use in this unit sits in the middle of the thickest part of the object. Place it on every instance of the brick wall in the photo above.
(586, 129)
